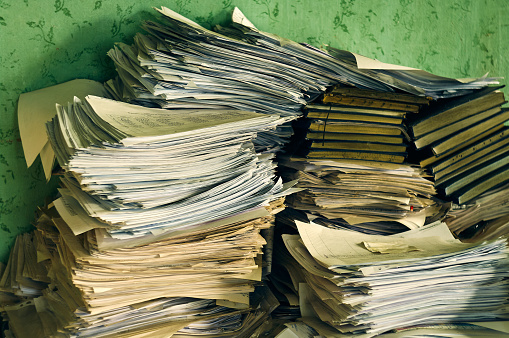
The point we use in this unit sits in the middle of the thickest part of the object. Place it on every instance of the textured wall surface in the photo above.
(45, 42)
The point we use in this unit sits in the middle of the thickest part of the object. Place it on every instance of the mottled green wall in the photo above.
(44, 42)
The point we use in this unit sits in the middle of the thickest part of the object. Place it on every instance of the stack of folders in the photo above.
(358, 285)
(348, 176)
(360, 124)
(465, 144)
(159, 225)
(485, 218)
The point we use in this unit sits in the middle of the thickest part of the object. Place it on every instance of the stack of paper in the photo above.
(159, 225)
(222, 262)
(381, 199)
(180, 64)
(198, 282)
(141, 171)
(363, 285)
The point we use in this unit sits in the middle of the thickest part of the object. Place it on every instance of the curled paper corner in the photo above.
(239, 18)
(364, 62)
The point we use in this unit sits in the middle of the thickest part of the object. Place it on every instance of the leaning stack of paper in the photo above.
(180, 64)
(375, 198)
(363, 285)
(139, 172)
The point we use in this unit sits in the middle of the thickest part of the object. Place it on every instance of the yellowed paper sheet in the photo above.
(333, 247)
(306, 309)
(367, 63)
(502, 326)
(47, 159)
(138, 121)
(37, 107)
(75, 216)
(239, 18)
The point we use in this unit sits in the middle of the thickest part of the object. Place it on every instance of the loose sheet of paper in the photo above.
(334, 247)
(37, 107)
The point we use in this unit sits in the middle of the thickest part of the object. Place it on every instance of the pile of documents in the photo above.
(166, 213)
(363, 285)
(180, 64)
(464, 143)
(139, 172)
(194, 284)
(159, 227)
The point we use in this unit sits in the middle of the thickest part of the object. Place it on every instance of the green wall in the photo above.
(45, 42)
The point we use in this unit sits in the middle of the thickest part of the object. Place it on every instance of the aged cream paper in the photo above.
(138, 121)
(335, 247)
(37, 107)
(75, 216)
(364, 62)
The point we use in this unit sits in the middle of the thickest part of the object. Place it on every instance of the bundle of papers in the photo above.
(360, 124)
(338, 133)
(138, 171)
(24, 276)
(180, 64)
(385, 199)
(363, 285)
(199, 282)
